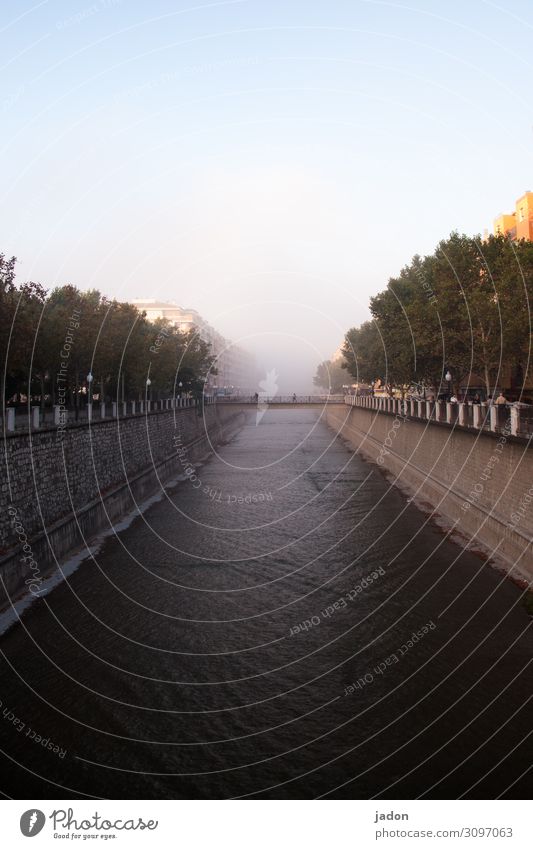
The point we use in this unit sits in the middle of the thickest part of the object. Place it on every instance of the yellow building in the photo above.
(524, 216)
(505, 225)
(517, 224)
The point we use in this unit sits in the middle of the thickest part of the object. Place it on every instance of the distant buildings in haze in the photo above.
(236, 369)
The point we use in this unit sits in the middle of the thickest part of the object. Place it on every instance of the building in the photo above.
(517, 224)
(235, 367)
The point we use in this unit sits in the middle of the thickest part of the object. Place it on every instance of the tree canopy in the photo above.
(465, 308)
(331, 376)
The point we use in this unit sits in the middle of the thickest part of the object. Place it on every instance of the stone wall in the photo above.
(481, 483)
(59, 490)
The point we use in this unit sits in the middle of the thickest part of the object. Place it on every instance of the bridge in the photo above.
(33, 417)
(286, 400)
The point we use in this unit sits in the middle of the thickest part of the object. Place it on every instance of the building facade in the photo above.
(517, 224)
(236, 371)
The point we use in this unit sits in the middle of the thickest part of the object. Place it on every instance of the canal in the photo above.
(284, 624)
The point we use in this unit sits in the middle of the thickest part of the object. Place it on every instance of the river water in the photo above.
(252, 635)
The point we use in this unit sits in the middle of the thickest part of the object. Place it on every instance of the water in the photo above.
(226, 644)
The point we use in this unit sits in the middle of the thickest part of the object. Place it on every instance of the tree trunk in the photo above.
(487, 379)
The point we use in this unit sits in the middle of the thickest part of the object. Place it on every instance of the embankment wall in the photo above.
(480, 483)
(59, 488)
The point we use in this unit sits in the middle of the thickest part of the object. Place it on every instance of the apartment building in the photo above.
(236, 371)
(518, 224)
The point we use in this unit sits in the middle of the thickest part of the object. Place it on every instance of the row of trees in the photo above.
(465, 309)
(57, 339)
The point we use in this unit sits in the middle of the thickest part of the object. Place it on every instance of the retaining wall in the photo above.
(479, 482)
(59, 489)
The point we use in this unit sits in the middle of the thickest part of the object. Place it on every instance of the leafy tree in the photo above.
(331, 376)
(364, 353)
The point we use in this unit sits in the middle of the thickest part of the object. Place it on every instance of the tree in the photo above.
(331, 376)
(364, 353)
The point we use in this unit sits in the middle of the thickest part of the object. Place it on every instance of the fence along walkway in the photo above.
(493, 418)
(34, 417)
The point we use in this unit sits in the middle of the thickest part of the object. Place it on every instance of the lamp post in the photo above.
(90, 397)
(448, 379)
(148, 393)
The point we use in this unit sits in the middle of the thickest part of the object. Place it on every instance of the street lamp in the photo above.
(448, 379)
(148, 391)
(89, 396)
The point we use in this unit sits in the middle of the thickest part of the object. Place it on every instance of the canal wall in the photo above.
(62, 487)
(479, 483)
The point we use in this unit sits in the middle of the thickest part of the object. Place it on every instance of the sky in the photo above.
(268, 163)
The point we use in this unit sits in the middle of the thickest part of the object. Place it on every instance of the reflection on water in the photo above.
(283, 625)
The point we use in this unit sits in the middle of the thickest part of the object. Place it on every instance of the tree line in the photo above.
(50, 342)
(465, 309)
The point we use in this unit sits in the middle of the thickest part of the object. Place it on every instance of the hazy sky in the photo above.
(269, 163)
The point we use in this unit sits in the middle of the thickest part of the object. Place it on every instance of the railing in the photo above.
(514, 419)
(20, 418)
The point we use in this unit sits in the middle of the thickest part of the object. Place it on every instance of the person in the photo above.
(453, 399)
(294, 397)
(476, 399)
(256, 397)
(501, 399)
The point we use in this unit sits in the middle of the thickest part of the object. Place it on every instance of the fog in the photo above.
(286, 337)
